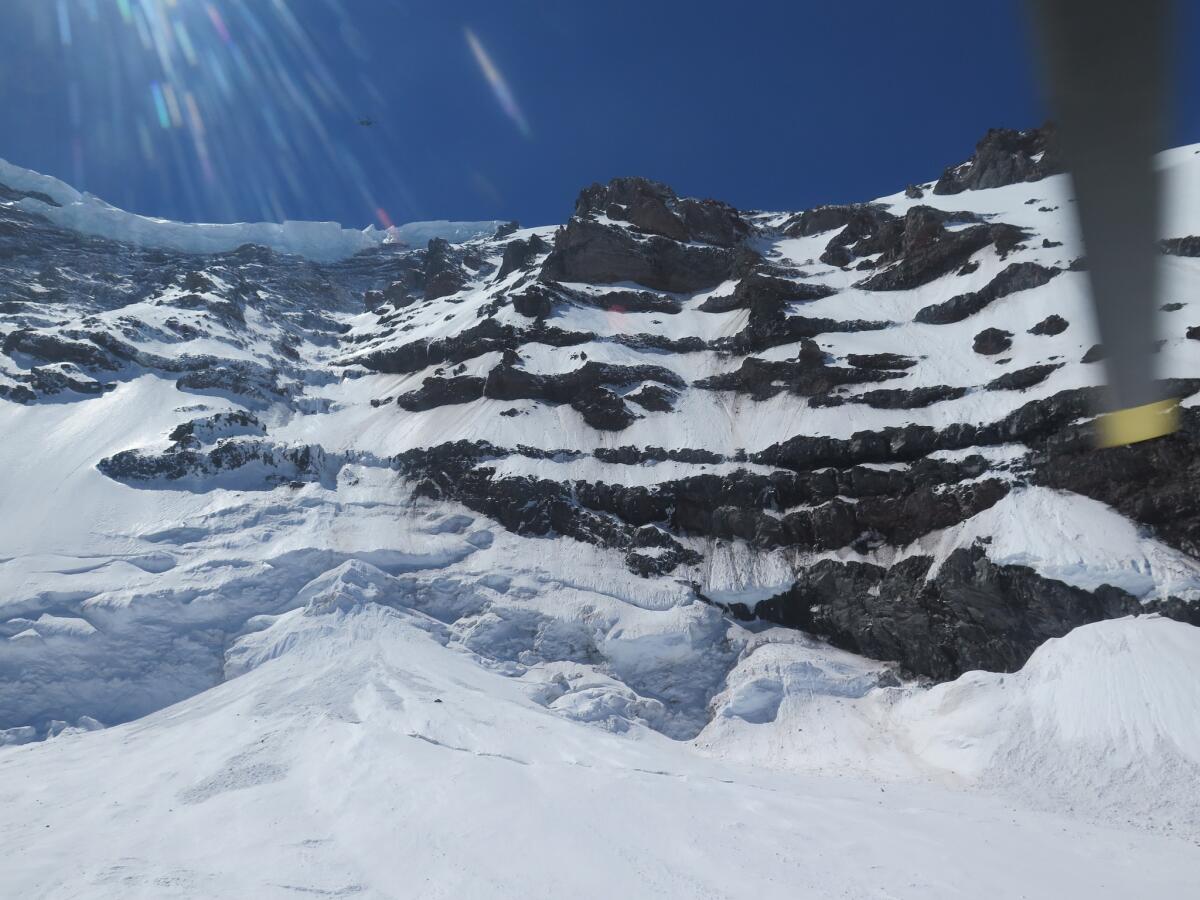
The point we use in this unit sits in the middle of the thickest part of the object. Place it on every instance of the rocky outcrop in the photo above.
(971, 614)
(586, 389)
(991, 341)
(1023, 378)
(806, 376)
(1004, 156)
(1156, 483)
(923, 248)
(246, 464)
(520, 254)
(1051, 325)
(666, 244)
(880, 360)
(1181, 246)
(760, 289)
(896, 398)
(53, 348)
(654, 208)
(486, 337)
(1012, 278)
(437, 391)
(590, 251)
(442, 272)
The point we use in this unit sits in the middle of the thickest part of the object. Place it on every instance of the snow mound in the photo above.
(318, 241)
(1105, 721)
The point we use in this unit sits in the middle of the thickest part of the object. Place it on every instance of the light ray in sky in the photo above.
(504, 94)
(221, 100)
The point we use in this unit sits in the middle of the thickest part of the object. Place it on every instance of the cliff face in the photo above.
(870, 422)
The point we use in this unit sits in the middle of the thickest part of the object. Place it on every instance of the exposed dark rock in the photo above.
(623, 301)
(991, 341)
(1012, 278)
(438, 391)
(911, 398)
(1032, 421)
(763, 291)
(1181, 246)
(540, 507)
(603, 410)
(837, 255)
(1004, 156)
(518, 254)
(486, 337)
(268, 465)
(588, 251)
(633, 456)
(52, 348)
(654, 208)
(1193, 333)
(1156, 483)
(691, 344)
(1023, 378)
(1051, 325)
(655, 398)
(862, 220)
(584, 389)
(1095, 353)
(17, 393)
(880, 361)
(914, 192)
(925, 249)
(972, 614)
(769, 325)
(807, 375)
(207, 429)
(536, 301)
(1171, 307)
(246, 379)
(442, 270)
(48, 380)
(11, 195)
(1047, 243)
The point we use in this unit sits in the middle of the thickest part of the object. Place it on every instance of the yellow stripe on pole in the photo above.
(1138, 423)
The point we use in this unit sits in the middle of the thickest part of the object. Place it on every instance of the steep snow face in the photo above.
(319, 241)
(572, 482)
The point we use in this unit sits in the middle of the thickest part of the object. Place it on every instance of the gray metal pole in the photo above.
(1106, 72)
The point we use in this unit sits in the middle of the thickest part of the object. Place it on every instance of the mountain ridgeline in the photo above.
(871, 422)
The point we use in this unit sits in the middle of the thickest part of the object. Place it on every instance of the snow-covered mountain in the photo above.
(684, 546)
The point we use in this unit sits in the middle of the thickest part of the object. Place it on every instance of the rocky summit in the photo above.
(871, 422)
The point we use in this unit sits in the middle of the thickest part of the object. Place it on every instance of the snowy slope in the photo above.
(364, 758)
(698, 522)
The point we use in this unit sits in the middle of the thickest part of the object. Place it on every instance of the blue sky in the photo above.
(225, 110)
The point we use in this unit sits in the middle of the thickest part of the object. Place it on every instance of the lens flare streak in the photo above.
(221, 101)
(498, 84)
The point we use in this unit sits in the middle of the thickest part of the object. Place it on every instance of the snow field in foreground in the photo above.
(361, 756)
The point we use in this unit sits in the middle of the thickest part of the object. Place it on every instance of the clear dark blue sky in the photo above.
(221, 110)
